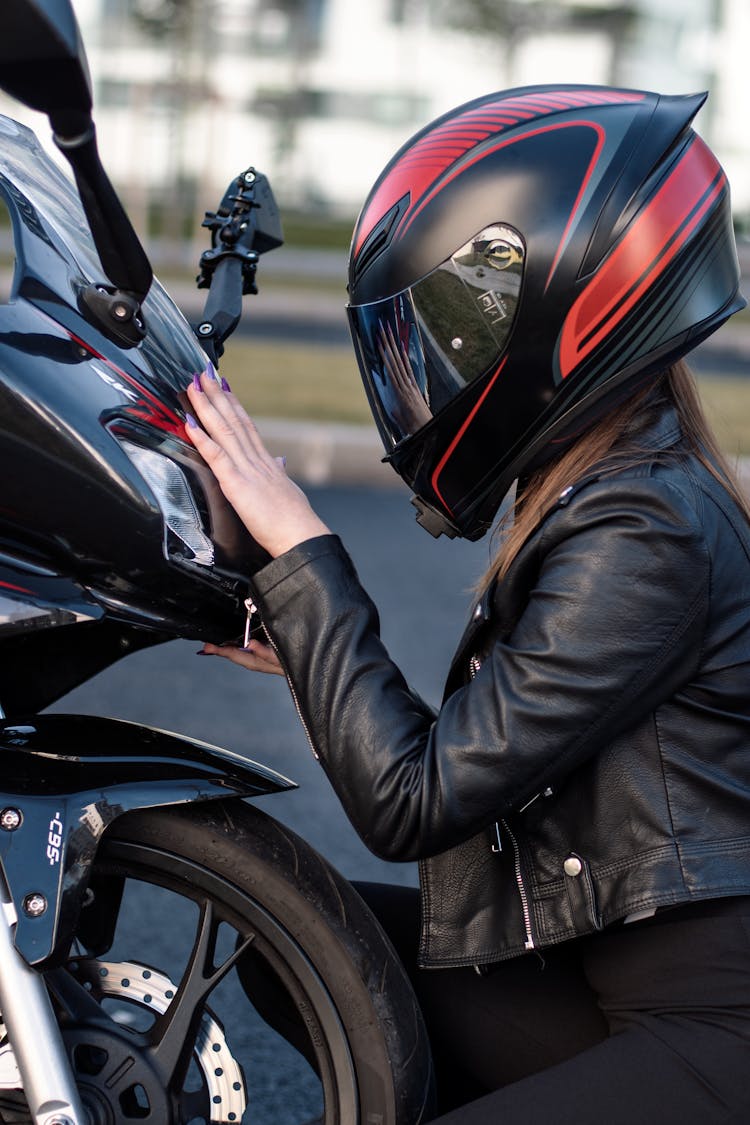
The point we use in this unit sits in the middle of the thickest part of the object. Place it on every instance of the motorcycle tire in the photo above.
(321, 1024)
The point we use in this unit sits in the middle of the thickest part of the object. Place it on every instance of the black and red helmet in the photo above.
(519, 264)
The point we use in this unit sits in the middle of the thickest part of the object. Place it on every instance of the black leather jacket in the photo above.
(603, 746)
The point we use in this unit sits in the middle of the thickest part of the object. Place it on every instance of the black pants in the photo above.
(642, 1024)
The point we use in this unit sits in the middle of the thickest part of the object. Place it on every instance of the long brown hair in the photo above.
(614, 443)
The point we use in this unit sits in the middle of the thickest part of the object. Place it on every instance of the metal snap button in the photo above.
(572, 866)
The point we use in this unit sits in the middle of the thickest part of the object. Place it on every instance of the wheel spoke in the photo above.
(78, 1003)
(195, 1103)
(173, 1034)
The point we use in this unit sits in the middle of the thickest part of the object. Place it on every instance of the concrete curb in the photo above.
(329, 453)
(320, 453)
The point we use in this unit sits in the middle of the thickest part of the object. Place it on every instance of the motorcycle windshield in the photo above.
(56, 258)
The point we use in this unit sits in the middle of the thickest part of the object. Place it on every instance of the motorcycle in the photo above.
(114, 536)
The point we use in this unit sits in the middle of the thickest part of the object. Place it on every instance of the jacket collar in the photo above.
(662, 433)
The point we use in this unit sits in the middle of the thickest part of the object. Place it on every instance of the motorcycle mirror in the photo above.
(43, 62)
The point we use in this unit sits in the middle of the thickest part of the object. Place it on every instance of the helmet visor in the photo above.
(417, 350)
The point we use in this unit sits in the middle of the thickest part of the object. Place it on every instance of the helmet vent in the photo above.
(378, 238)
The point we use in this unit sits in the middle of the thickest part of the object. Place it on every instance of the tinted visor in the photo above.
(419, 349)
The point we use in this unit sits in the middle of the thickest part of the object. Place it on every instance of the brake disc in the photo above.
(147, 989)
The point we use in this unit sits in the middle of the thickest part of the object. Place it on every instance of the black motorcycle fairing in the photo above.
(62, 419)
(41, 666)
(57, 261)
(69, 395)
(55, 633)
(66, 778)
(47, 626)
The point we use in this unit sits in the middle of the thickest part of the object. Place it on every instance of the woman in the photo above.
(525, 277)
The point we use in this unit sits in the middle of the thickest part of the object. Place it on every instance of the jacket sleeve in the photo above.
(612, 627)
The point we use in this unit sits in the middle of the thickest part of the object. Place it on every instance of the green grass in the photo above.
(727, 404)
(323, 384)
(319, 231)
(303, 381)
(296, 381)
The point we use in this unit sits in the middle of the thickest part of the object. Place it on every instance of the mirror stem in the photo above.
(123, 258)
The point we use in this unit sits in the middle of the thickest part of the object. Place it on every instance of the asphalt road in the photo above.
(421, 587)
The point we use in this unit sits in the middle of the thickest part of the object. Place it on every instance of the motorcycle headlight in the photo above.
(175, 498)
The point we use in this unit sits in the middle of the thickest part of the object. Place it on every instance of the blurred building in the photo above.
(319, 93)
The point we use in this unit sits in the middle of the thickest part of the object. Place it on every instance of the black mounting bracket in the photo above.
(245, 225)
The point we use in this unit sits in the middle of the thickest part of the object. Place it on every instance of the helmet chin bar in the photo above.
(432, 520)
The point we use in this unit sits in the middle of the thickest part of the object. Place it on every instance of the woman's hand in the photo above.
(257, 657)
(273, 509)
(411, 411)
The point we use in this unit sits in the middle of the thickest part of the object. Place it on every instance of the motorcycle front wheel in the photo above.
(244, 981)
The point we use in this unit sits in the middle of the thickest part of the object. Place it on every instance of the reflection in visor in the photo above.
(417, 350)
(391, 358)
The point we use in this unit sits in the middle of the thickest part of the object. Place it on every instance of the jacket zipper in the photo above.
(529, 940)
(252, 608)
(474, 666)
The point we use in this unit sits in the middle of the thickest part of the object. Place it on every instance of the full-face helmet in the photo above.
(522, 263)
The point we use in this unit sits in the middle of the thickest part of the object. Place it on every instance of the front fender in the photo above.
(65, 779)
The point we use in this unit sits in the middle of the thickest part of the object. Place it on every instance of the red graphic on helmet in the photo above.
(449, 451)
(691, 189)
(625, 260)
(439, 148)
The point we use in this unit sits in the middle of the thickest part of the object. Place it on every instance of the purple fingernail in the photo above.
(211, 371)
(197, 382)
(191, 421)
(225, 385)
(283, 460)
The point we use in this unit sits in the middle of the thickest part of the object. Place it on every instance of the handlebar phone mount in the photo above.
(245, 225)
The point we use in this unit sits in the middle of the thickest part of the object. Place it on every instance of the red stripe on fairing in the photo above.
(152, 409)
(676, 209)
(418, 169)
(467, 422)
(18, 589)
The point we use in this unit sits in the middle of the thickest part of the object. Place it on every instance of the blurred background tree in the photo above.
(510, 22)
